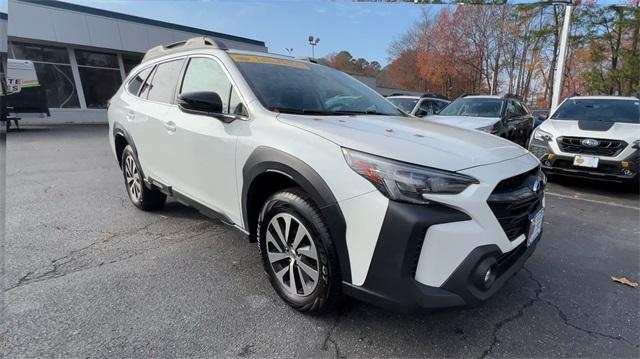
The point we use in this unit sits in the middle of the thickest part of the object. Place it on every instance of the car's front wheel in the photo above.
(142, 197)
(298, 253)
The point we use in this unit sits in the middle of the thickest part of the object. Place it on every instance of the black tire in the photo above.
(327, 293)
(142, 197)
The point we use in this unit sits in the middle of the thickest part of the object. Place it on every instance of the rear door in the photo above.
(155, 124)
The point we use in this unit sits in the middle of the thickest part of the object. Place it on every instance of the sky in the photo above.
(364, 29)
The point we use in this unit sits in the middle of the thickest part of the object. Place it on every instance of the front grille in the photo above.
(608, 148)
(514, 200)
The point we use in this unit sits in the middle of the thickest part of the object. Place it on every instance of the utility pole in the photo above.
(558, 78)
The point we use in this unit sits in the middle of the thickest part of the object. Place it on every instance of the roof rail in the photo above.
(201, 42)
(466, 94)
(428, 94)
(397, 94)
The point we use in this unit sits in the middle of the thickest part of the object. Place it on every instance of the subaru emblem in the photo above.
(590, 142)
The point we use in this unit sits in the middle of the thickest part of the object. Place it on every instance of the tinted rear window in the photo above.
(627, 111)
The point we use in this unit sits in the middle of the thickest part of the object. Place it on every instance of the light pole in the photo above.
(313, 41)
(558, 78)
(289, 50)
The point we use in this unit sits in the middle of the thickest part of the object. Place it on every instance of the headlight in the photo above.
(542, 135)
(405, 182)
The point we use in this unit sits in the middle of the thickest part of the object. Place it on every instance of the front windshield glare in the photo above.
(473, 107)
(627, 111)
(305, 88)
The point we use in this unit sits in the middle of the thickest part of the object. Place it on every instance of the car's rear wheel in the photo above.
(298, 253)
(142, 197)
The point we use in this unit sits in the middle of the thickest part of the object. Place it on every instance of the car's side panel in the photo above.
(363, 230)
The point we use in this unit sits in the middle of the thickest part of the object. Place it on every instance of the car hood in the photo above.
(464, 121)
(621, 131)
(410, 140)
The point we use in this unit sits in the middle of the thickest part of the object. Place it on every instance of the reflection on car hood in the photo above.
(464, 121)
(410, 140)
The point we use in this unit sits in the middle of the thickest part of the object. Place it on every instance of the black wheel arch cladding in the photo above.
(267, 159)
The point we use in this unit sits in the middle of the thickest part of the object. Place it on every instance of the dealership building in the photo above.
(82, 54)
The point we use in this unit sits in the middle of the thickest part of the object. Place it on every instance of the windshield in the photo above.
(305, 88)
(405, 104)
(627, 111)
(474, 107)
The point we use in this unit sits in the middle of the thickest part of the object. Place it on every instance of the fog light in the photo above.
(551, 156)
(489, 278)
(485, 275)
(625, 164)
(547, 163)
(626, 172)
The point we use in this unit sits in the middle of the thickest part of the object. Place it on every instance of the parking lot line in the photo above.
(613, 204)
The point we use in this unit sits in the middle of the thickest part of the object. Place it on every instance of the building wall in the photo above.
(82, 54)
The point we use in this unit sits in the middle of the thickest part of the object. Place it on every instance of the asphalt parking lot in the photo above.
(88, 275)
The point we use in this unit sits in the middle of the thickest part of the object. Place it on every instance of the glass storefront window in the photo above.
(99, 85)
(57, 82)
(130, 61)
(97, 59)
(54, 72)
(99, 75)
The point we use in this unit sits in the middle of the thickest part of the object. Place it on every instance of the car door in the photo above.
(205, 145)
(155, 125)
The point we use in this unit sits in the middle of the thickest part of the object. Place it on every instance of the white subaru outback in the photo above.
(343, 193)
(596, 137)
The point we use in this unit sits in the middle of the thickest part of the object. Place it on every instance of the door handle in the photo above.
(170, 126)
(131, 116)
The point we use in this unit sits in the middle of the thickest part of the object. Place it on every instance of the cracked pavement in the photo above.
(88, 275)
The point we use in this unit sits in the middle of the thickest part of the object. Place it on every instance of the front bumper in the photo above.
(607, 170)
(391, 281)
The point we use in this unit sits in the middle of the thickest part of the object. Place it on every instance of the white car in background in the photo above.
(591, 136)
(419, 106)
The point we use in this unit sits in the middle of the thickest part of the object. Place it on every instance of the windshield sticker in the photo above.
(269, 60)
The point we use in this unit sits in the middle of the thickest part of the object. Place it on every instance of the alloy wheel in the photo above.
(292, 254)
(132, 176)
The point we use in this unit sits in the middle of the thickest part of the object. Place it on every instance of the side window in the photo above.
(163, 83)
(438, 106)
(205, 74)
(424, 109)
(511, 110)
(136, 83)
(521, 109)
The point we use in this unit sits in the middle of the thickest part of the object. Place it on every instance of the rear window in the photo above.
(627, 111)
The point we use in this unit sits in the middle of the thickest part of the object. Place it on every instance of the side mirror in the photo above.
(206, 103)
